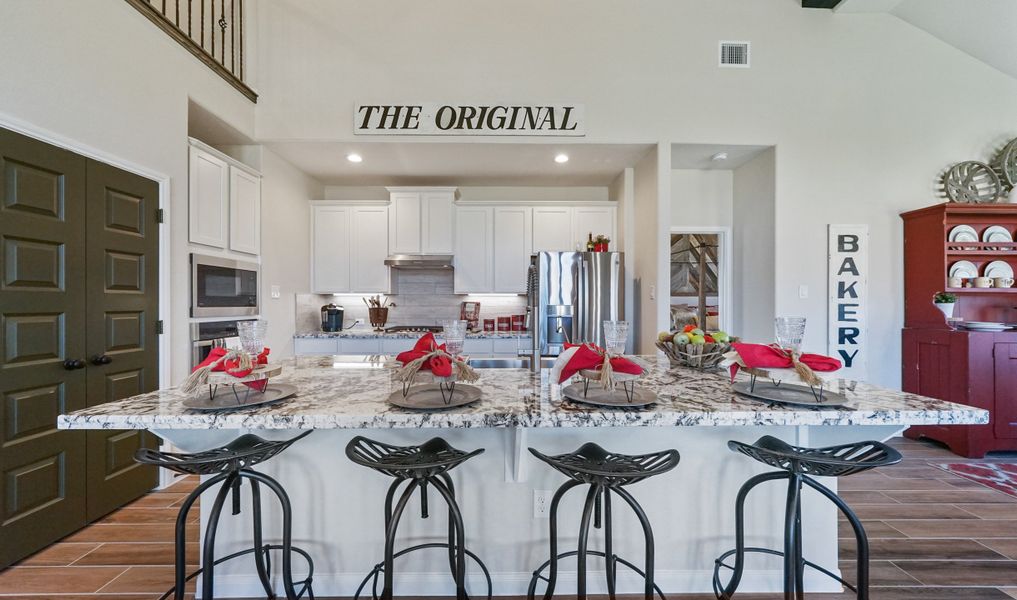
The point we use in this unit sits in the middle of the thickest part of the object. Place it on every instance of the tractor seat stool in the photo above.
(798, 466)
(230, 465)
(421, 466)
(606, 474)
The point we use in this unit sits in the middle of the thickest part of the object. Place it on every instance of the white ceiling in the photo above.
(439, 163)
(985, 29)
(699, 156)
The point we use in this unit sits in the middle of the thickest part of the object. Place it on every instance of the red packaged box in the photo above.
(504, 323)
(489, 325)
(517, 322)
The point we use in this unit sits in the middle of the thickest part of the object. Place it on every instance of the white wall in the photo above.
(521, 193)
(753, 246)
(102, 78)
(651, 267)
(866, 109)
(701, 198)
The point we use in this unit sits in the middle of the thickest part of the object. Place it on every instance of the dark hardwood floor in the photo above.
(933, 535)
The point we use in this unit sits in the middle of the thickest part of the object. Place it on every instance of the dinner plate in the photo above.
(239, 397)
(970, 235)
(963, 269)
(994, 232)
(999, 268)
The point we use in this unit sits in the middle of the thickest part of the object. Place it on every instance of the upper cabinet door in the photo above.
(436, 222)
(209, 185)
(369, 239)
(513, 244)
(330, 249)
(245, 211)
(474, 264)
(404, 223)
(598, 220)
(552, 229)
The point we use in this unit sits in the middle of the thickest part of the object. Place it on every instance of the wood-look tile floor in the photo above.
(933, 536)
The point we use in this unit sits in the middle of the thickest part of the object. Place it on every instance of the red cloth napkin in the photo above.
(760, 356)
(589, 356)
(231, 366)
(440, 365)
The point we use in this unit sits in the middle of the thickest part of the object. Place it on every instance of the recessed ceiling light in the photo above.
(719, 156)
(561, 158)
(353, 157)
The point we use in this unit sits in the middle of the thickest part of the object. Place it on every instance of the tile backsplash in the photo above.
(422, 297)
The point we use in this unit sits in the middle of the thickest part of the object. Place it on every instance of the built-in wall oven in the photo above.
(222, 287)
(212, 334)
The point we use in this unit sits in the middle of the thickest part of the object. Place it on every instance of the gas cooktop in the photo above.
(413, 329)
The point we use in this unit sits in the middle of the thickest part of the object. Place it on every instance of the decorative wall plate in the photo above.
(972, 182)
(1008, 163)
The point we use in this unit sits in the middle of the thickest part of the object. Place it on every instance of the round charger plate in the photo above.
(789, 394)
(598, 396)
(428, 397)
(225, 399)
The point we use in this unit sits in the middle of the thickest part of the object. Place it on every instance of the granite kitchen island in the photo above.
(338, 506)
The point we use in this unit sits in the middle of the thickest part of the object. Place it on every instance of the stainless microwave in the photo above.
(222, 287)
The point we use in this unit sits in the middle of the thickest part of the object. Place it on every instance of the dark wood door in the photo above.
(42, 315)
(123, 295)
(1004, 414)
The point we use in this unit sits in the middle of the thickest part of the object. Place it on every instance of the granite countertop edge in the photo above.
(371, 334)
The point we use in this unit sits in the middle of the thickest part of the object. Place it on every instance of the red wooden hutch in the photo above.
(974, 368)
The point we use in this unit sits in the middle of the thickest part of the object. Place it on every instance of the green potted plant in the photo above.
(600, 243)
(945, 302)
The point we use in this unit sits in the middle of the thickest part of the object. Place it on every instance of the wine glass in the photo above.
(252, 335)
(790, 332)
(454, 333)
(616, 333)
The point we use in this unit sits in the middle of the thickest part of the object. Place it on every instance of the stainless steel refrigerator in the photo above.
(570, 294)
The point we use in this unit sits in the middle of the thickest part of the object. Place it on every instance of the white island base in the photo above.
(338, 510)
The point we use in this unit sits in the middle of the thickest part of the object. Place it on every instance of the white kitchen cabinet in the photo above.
(361, 345)
(598, 220)
(552, 228)
(507, 346)
(513, 244)
(477, 347)
(421, 220)
(369, 230)
(330, 249)
(245, 211)
(394, 346)
(315, 346)
(208, 199)
(474, 258)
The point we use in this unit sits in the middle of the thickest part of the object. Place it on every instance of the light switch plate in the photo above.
(275, 291)
(653, 292)
(803, 291)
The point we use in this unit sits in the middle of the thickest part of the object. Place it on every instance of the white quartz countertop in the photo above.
(367, 332)
(351, 393)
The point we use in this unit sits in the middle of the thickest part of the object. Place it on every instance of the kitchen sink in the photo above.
(523, 362)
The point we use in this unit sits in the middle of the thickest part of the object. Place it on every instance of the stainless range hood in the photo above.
(419, 261)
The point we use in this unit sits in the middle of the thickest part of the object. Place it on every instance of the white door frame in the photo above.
(724, 283)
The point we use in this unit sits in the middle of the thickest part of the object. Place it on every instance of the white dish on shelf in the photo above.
(968, 232)
(983, 326)
(998, 268)
(997, 233)
(964, 269)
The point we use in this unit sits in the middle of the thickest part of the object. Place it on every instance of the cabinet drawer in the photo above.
(360, 346)
(507, 346)
(477, 347)
(316, 346)
(395, 346)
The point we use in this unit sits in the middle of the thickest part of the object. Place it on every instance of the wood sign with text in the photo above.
(432, 118)
(849, 279)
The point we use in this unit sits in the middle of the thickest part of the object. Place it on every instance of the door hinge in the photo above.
(159, 327)
(160, 215)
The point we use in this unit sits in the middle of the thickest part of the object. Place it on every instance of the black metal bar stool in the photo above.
(229, 466)
(606, 474)
(425, 465)
(797, 466)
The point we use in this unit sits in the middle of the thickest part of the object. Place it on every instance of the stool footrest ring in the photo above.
(380, 568)
(719, 562)
(538, 573)
(306, 582)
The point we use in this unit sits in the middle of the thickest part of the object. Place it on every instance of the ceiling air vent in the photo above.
(734, 54)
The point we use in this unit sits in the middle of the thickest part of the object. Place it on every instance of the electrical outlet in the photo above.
(541, 504)
(358, 322)
(653, 292)
(803, 291)
(276, 293)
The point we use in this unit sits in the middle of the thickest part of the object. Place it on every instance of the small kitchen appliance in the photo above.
(332, 317)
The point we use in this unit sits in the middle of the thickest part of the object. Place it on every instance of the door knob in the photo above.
(74, 363)
(101, 359)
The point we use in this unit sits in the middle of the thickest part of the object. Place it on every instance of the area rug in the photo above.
(998, 476)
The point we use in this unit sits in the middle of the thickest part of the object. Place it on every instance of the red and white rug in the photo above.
(998, 476)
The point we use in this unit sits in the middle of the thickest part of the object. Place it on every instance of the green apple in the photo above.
(697, 331)
(697, 340)
(681, 339)
(721, 337)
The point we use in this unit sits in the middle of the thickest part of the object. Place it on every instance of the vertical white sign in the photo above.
(849, 297)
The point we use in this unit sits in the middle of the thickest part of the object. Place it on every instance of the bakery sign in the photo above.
(849, 296)
(434, 118)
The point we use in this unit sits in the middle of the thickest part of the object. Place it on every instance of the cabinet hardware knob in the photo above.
(74, 363)
(101, 359)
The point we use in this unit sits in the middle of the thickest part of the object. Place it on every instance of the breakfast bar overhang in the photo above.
(338, 519)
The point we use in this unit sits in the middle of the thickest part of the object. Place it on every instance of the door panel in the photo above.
(122, 298)
(1004, 413)
(42, 287)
